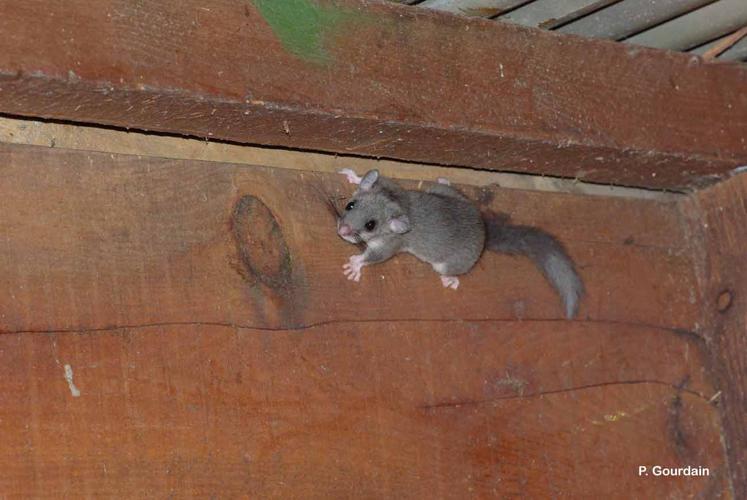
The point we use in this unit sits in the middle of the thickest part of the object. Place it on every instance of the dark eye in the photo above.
(350, 205)
(370, 225)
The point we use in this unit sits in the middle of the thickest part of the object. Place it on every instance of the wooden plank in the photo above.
(214, 346)
(622, 19)
(114, 260)
(719, 218)
(492, 96)
(736, 52)
(90, 138)
(377, 410)
(481, 8)
(542, 13)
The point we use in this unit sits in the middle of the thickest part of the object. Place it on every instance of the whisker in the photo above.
(332, 207)
(329, 200)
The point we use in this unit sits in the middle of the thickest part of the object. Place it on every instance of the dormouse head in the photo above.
(372, 212)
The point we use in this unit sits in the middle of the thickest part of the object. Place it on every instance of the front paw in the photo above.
(353, 268)
(351, 175)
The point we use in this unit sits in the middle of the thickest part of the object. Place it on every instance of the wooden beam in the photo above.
(377, 79)
(719, 218)
(174, 327)
(92, 138)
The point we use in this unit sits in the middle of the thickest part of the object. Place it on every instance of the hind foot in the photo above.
(450, 282)
(351, 175)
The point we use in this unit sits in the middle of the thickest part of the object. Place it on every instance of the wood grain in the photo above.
(718, 219)
(378, 79)
(355, 410)
(144, 241)
(218, 350)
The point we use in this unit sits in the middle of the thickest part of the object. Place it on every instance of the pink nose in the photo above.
(344, 230)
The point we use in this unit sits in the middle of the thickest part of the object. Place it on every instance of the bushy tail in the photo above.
(546, 252)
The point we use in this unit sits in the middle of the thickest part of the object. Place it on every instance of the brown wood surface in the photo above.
(719, 218)
(134, 231)
(218, 349)
(377, 79)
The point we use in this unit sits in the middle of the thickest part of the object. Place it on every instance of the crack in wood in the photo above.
(674, 422)
(484, 402)
(680, 332)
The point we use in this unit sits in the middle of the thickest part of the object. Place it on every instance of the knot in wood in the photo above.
(260, 243)
(724, 300)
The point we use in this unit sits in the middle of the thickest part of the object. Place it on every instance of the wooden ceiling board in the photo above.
(695, 28)
(737, 52)
(479, 8)
(622, 19)
(536, 14)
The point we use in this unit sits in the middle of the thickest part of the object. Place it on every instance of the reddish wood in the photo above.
(218, 349)
(355, 410)
(394, 82)
(719, 218)
(136, 231)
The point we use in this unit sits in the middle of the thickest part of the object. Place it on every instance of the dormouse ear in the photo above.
(400, 224)
(368, 180)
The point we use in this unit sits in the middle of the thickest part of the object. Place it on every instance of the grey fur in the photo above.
(545, 251)
(443, 228)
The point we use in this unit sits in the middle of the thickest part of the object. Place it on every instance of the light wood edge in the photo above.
(89, 138)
